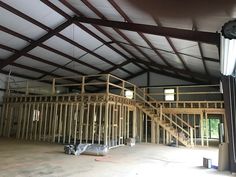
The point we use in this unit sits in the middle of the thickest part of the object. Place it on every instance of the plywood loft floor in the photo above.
(26, 159)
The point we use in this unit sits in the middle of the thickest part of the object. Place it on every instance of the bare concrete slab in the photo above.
(33, 159)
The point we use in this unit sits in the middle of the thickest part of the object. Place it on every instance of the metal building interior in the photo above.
(158, 73)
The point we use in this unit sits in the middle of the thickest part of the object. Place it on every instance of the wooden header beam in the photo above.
(205, 37)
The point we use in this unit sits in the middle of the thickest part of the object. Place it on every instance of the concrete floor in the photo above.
(30, 159)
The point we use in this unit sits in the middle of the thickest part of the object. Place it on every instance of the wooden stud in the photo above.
(28, 121)
(81, 122)
(106, 124)
(87, 123)
(70, 120)
(100, 123)
(64, 122)
(36, 123)
(55, 117)
(41, 120)
(76, 121)
(45, 122)
(93, 122)
(60, 123)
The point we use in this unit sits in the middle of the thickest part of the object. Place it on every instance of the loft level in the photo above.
(104, 109)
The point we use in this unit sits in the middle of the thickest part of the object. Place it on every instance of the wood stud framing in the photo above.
(104, 118)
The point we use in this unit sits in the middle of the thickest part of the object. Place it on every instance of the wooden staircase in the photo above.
(171, 123)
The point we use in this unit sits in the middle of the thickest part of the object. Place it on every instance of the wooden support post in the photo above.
(119, 123)
(140, 126)
(134, 122)
(24, 120)
(100, 123)
(125, 122)
(153, 132)
(50, 122)
(207, 129)
(158, 133)
(191, 136)
(202, 129)
(93, 122)
(76, 122)
(70, 120)
(65, 122)
(28, 121)
(55, 122)
(36, 122)
(106, 124)
(109, 124)
(164, 136)
(45, 122)
(81, 122)
(87, 123)
(32, 120)
(41, 119)
(128, 122)
(10, 121)
(19, 122)
(146, 137)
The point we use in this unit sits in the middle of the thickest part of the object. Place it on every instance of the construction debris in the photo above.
(87, 149)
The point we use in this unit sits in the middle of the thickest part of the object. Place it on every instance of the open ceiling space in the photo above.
(129, 87)
(41, 39)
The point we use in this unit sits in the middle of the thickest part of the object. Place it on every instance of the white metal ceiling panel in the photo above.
(134, 51)
(214, 68)
(136, 15)
(63, 72)
(113, 33)
(194, 64)
(18, 70)
(62, 7)
(20, 25)
(133, 68)
(187, 47)
(159, 42)
(82, 8)
(12, 41)
(120, 73)
(65, 47)
(81, 68)
(38, 11)
(152, 55)
(4, 54)
(90, 59)
(135, 38)
(177, 23)
(35, 64)
(106, 9)
(173, 60)
(50, 56)
(210, 51)
(110, 55)
(80, 36)
(121, 50)
(97, 32)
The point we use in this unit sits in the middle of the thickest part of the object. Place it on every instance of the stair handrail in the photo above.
(158, 110)
(182, 121)
(173, 122)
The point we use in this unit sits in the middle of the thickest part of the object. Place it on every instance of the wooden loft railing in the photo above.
(102, 83)
(187, 93)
